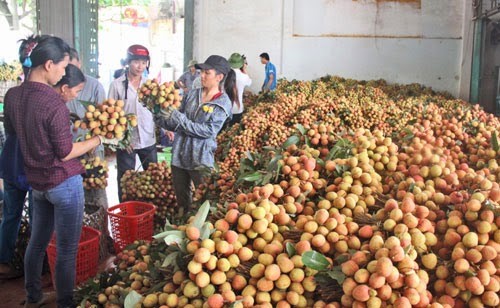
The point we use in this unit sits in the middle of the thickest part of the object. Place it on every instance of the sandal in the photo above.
(47, 298)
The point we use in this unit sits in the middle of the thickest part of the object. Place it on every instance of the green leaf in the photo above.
(164, 234)
(290, 249)
(174, 238)
(249, 156)
(301, 129)
(205, 231)
(132, 299)
(273, 164)
(267, 178)
(84, 301)
(341, 259)
(201, 215)
(322, 278)
(86, 104)
(336, 274)
(269, 148)
(252, 177)
(307, 141)
(494, 142)
(170, 259)
(291, 141)
(315, 260)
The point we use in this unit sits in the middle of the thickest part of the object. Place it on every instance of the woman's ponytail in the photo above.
(230, 87)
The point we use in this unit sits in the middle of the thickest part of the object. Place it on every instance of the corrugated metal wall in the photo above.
(86, 39)
(76, 22)
(55, 17)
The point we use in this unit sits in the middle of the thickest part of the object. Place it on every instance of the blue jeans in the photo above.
(126, 161)
(59, 208)
(13, 203)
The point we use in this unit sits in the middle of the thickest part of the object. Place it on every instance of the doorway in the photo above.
(156, 24)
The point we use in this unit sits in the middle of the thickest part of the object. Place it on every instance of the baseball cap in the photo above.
(216, 62)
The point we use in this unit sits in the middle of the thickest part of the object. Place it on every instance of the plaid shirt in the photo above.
(38, 116)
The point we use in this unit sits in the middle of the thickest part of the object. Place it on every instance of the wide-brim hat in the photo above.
(236, 60)
(192, 63)
(215, 62)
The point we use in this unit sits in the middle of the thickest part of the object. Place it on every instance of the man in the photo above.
(143, 141)
(185, 82)
(270, 79)
(93, 91)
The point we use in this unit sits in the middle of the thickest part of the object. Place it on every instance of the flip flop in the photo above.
(47, 298)
(11, 274)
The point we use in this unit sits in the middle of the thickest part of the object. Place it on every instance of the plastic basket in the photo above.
(165, 155)
(130, 221)
(87, 258)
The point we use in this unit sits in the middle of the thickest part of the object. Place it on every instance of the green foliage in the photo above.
(106, 3)
(315, 260)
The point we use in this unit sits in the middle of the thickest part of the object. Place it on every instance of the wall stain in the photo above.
(334, 35)
(416, 3)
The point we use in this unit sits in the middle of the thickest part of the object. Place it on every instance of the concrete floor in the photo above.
(12, 292)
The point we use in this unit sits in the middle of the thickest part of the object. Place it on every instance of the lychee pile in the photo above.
(153, 185)
(96, 173)
(355, 212)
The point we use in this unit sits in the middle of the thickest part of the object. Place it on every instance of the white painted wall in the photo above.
(398, 40)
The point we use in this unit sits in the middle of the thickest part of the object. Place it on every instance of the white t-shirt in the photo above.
(242, 81)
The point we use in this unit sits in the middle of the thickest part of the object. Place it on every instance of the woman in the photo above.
(68, 87)
(125, 87)
(196, 124)
(38, 116)
(71, 83)
(239, 65)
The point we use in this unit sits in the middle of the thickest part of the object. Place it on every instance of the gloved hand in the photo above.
(109, 141)
(166, 113)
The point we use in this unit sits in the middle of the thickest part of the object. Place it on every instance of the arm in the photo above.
(270, 82)
(200, 130)
(80, 148)
(165, 122)
(61, 138)
(180, 81)
(9, 129)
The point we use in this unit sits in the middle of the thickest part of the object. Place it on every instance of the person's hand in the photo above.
(170, 135)
(109, 141)
(166, 113)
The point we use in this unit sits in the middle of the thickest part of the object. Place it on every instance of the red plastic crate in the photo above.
(130, 221)
(87, 258)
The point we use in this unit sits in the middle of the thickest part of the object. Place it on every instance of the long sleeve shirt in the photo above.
(143, 135)
(196, 126)
(38, 116)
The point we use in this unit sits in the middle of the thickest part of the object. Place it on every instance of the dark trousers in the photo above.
(126, 161)
(13, 203)
(182, 179)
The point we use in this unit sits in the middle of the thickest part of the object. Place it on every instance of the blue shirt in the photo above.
(270, 70)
